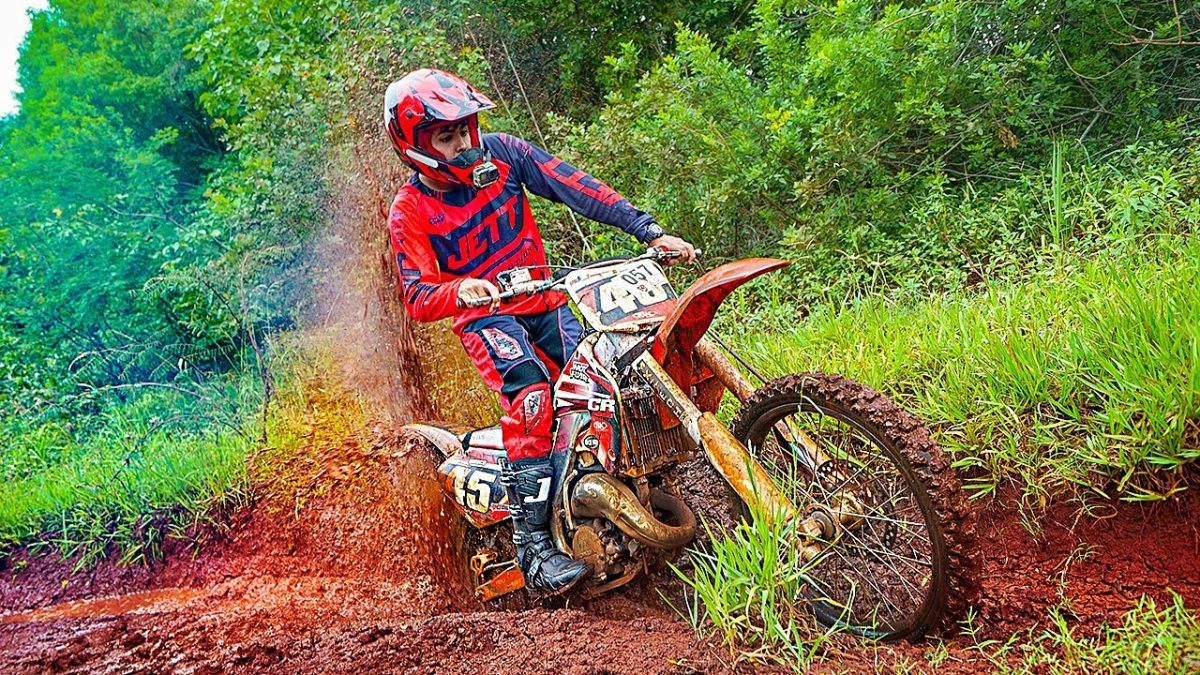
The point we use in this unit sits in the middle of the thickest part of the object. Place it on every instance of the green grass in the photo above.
(1083, 379)
(744, 590)
(747, 589)
(1147, 640)
(157, 465)
(168, 458)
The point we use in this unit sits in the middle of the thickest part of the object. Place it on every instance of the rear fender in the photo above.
(447, 442)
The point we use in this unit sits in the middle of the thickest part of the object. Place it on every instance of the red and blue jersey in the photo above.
(441, 238)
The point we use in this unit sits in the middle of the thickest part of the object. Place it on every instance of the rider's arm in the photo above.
(548, 176)
(426, 296)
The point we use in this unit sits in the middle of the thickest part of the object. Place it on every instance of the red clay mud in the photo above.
(1091, 570)
(358, 581)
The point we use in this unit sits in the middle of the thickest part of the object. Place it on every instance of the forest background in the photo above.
(990, 205)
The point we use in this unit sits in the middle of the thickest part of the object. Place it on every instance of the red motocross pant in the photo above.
(519, 358)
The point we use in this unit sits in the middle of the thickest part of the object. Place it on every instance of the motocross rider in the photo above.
(462, 218)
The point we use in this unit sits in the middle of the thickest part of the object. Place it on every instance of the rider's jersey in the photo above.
(441, 238)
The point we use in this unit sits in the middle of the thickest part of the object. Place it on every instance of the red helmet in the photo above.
(427, 98)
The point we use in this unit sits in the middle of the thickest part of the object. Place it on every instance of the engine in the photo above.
(651, 443)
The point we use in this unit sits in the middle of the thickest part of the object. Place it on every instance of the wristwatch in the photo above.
(653, 231)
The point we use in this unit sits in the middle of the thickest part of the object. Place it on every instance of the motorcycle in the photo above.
(871, 503)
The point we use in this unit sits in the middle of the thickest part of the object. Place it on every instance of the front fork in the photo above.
(740, 469)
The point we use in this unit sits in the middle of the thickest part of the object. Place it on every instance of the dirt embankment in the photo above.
(1091, 570)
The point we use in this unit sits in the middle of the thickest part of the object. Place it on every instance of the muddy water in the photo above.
(133, 603)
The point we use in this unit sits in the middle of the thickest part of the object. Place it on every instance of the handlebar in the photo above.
(538, 286)
(510, 293)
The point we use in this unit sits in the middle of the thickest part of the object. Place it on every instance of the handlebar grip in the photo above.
(484, 302)
(472, 303)
(663, 253)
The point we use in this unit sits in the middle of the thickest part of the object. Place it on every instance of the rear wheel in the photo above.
(908, 562)
(415, 470)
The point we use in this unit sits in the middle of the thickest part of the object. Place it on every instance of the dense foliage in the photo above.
(907, 145)
(100, 171)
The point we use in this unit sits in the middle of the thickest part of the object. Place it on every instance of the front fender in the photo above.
(695, 309)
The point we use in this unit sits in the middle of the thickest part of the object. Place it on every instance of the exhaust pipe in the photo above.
(599, 495)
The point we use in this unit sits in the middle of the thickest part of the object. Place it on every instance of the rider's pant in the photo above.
(519, 358)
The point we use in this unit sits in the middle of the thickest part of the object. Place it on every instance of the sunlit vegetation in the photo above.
(1083, 379)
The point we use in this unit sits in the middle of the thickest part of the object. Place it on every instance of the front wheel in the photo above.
(908, 560)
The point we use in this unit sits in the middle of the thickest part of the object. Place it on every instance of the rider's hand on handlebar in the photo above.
(477, 293)
(672, 244)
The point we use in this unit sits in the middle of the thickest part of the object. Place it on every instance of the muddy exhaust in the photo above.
(599, 495)
(731, 459)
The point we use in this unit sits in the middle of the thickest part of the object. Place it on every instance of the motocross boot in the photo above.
(547, 570)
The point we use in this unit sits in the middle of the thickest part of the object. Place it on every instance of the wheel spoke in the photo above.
(911, 562)
(892, 538)
(898, 523)
(866, 579)
(909, 588)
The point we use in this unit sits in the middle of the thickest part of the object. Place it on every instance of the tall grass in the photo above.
(316, 415)
(1082, 379)
(747, 588)
(149, 467)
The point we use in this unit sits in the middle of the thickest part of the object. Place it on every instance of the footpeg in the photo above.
(505, 581)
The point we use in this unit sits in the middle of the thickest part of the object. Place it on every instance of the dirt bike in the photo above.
(870, 502)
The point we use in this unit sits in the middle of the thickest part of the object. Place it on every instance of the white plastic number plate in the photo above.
(633, 289)
(624, 294)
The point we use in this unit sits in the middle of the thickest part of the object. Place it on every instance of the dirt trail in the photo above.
(356, 581)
